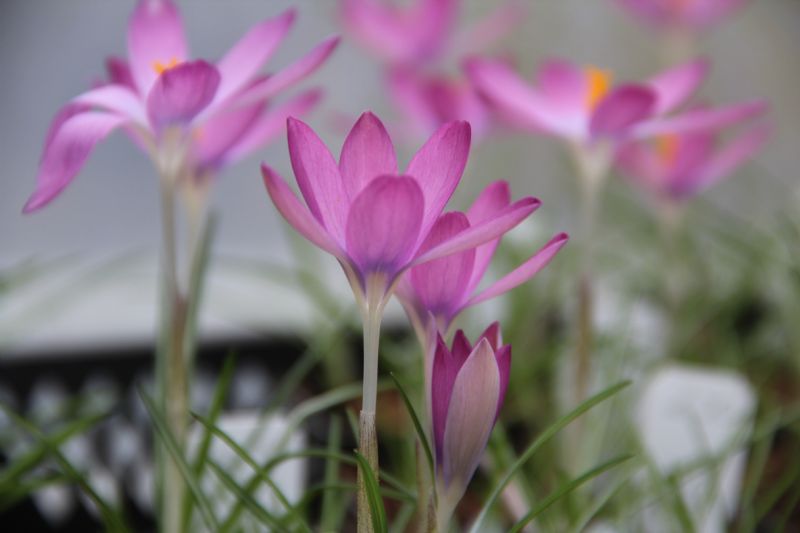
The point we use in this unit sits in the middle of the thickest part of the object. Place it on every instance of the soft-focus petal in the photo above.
(212, 141)
(492, 200)
(297, 214)
(438, 167)
(181, 93)
(676, 85)
(318, 178)
(440, 285)
(736, 153)
(383, 224)
(700, 119)
(503, 356)
(367, 152)
(642, 163)
(243, 61)
(116, 99)
(155, 37)
(470, 415)
(444, 369)
(490, 29)
(67, 151)
(563, 85)
(483, 232)
(622, 109)
(524, 272)
(119, 73)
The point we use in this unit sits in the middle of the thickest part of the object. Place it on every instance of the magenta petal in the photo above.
(700, 119)
(470, 415)
(63, 115)
(440, 285)
(736, 153)
(676, 85)
(503, 356)
(438, 167)
(493, 334)
(155, 37)
(625, 107)
(181, 93)
(212, 141)
(524, 272)
(483, 232)
(116, 99)
(318, 178)
(367, 153)
(444, 370)
(491, 201)
(297, 214)
(119, 73)
(243, 61)
(67, 151)
(563, 84)
(383, 225)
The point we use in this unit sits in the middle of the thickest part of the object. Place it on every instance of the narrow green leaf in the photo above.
(543, 438)
(417, 425)
(163, 431)
(374, 499)
(567, 488)
(246, 498)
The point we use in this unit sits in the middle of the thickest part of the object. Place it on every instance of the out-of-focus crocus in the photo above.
(691, 15)
(444, 287)
(372, 218)
(465, 390)
(191, 116)
(677, 167)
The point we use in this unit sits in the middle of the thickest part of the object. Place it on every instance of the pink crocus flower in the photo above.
(183, 112)
(682, 14)
(582, 106)
(677, 167)
(443, 288)
(372, 218)
(465, 390)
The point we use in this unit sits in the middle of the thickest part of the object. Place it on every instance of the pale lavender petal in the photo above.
(482, 233)
(440, 285)
(63, 115)
(367, 152)
(640, 161)
(155, 40)
(564, 85)
(676, 85)
(67, 152)
(116, 99)
(736, 153)
(297, 214)
(243, 61)
(380, 28)
(437, 167)
(700, 119)
(383, 225)
(318, 178)
(181, 93)
(524, 272)
(625, 107)
(470, 415)
(212, 141)
(491, 201)
(490, 29)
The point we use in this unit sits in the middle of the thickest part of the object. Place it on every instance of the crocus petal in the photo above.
(119, 73)
(492, 28)
(297, 214)
(700, 119)
(63, 115)
(378, 27)
(625, 107)
(444, 370)
(563, 84)
(270, 124)
(503, 356)
(524, 272)
(383, 224)
(212, 141)
(438, 167)
(470, 415)
(290, 75)
(676, 85)
(367, 153)
(247, 56)
(491, 201)
(116, 99)
(641, 163)
(155, 37)
(181, 93)
(483, 232)
(731, 156)
(68, 150)
(440, 285)
(318, 178)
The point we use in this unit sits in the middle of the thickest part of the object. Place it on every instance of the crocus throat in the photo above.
(597, 86)
(667, 147)
(160, 67)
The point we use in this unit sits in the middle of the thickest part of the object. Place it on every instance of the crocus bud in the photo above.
(467, 386)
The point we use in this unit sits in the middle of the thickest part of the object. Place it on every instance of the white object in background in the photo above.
(689, 414)
(261, 439)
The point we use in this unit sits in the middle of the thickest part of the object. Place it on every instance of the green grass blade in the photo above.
(417, 425)
(246, 498)
(376, 509)
(551, 431)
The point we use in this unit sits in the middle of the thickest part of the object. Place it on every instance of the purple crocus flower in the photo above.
(583, 106)
(677, 167)
(682, 14)
(372, 218)
(183, 112)
(466, 389)
(442, 288)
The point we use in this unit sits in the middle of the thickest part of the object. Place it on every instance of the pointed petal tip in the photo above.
(34, 203)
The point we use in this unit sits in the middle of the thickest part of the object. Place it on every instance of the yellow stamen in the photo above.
(667, 147)
(160, 67)
(599, 83)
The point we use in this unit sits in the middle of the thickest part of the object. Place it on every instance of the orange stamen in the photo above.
(599, 83)
(160, 67)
